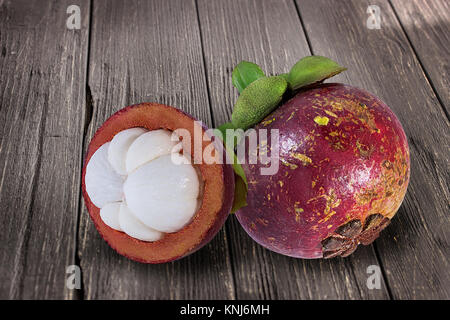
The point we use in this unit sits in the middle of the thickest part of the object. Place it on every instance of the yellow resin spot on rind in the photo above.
(303, 158)
(321, 121)
(267, 122)
(332, 114)
(293, 166)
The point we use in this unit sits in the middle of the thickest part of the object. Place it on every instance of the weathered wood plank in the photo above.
(270, 34)
(427, 24)
(148, 51)
(42, 67)
(414, 249)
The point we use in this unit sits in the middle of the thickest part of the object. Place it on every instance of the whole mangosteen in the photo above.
(343, 163)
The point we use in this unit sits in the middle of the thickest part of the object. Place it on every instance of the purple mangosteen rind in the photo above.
(344, 170)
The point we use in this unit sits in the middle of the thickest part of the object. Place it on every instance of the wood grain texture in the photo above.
(42, 67)
(148, 51)
(181, 53)
(414, 250)
(270, 34)
(427, 25)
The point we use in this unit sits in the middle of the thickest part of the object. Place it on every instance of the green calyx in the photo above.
(257, 100)
(260, 95)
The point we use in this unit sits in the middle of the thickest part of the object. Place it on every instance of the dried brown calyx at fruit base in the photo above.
(347, 237)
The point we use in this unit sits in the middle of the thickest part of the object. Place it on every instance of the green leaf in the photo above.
(312, 69)
(223, 129)
(240, 192)
(285, 76)
(245, 73)
(240, 180)
(258, 100)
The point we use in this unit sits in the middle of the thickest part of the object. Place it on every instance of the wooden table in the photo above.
(58, 85)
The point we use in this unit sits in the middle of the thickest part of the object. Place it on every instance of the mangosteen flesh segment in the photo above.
(118, 149)
(142, 184)
(110, 215)
(103, 183)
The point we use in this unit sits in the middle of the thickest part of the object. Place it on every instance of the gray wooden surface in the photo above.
(57, 86)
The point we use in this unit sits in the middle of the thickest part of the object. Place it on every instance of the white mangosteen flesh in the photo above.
(149, 146)
(103, 183)
(135, 228)
(110, 215)
(162, 194)
(119, 146)
(161, 189)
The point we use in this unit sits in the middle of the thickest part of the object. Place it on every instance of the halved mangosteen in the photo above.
(150, 193)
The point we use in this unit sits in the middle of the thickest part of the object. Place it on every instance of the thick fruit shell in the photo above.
(218, 188)
(344, 170)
